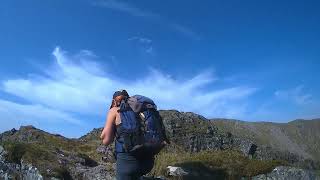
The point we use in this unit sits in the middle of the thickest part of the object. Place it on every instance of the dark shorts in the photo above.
(132, 168)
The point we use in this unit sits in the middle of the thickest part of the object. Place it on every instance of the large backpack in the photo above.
(141, 131)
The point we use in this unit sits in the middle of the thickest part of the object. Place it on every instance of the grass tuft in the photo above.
(214, 164)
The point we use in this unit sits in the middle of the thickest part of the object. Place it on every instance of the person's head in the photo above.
(117, 97)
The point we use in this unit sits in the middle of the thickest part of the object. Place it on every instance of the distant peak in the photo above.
(28, 127)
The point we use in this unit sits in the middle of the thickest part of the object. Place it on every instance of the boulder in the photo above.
(10, 171)
(176, 171)
(288, 173)
(30, 172)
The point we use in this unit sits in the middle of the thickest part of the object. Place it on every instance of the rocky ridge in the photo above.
(300, 137)
(86, 158)
(195, 133)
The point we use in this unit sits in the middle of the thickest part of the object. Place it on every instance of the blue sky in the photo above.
(60, 61)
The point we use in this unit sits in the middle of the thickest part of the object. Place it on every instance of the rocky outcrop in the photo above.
(58, 157)
(288, 173)
(195, 133)
(92, 135)
(23, 171)
(81, 166)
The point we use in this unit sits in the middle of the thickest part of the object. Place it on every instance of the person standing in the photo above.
(128, 166)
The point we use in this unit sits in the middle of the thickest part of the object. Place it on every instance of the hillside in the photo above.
(301, 137)
(205, 148)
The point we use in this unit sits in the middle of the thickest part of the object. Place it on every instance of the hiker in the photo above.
(134, 148)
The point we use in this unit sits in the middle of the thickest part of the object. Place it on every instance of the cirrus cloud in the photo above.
(86, 89)
(131, 9)
(296, 95)
(74, 88)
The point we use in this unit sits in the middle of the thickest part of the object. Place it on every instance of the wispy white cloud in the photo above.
(15, 114)
(144, 43)
(296, 95)
(140, 39)
(73, 88)
(150, 50)
(132, 10)
(286, 105)
(126, 8)
(186, 31)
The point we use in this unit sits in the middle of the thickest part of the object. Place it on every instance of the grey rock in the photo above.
(288, 173)
(176, 171)
(247, 147)
(30, 172)
(196, 133)
(107, 152)
(100, 172)
(94, 134)
(10, 171)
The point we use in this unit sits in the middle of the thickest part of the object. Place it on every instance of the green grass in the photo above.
(34, 154)
(43, 155)
(72, 146)
(210, 164)
(217, 164)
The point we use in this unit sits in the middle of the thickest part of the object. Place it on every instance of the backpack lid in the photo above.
(139, 103)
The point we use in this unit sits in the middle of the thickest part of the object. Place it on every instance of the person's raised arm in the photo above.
(107, 134)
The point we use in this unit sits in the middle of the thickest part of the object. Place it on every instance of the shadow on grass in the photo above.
(62, 173)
